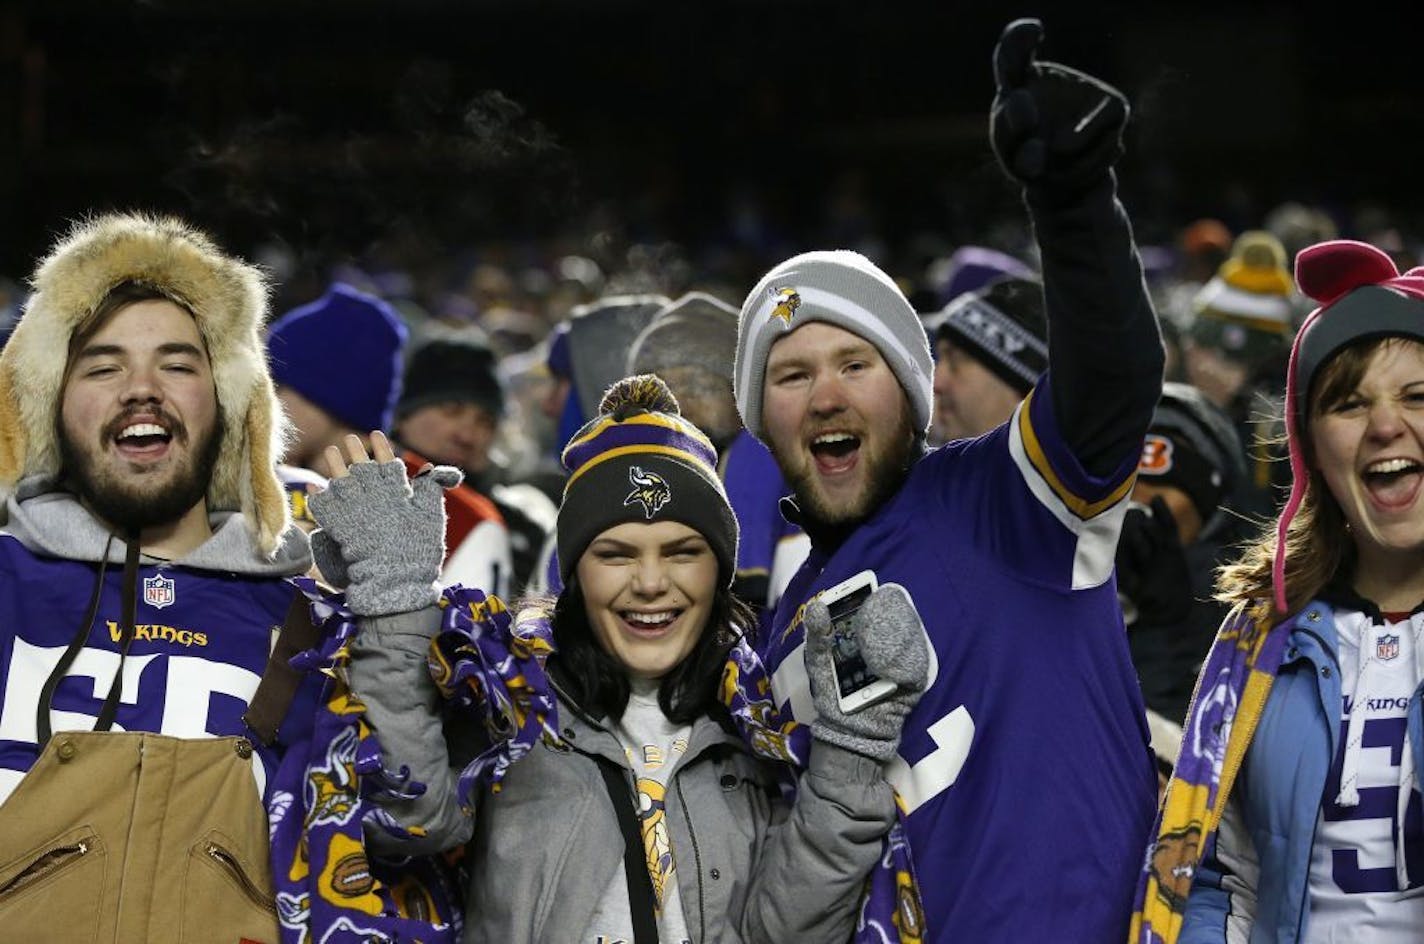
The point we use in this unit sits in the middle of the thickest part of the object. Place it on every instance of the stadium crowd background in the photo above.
(497, 163)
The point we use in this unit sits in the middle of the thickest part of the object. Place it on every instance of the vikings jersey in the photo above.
(1024, 767)
(770, 548)
(201, 643)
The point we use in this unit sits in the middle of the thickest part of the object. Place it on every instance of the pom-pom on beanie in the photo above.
(1245, 311)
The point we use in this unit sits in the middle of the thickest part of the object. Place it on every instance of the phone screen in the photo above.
(852, 674)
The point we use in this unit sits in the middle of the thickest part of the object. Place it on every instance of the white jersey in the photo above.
(1353, 869)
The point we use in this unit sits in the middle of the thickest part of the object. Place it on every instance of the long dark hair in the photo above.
(596, 683)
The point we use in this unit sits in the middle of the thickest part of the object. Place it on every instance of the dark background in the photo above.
(344, 127)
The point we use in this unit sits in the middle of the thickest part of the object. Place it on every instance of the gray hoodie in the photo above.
(51, 522)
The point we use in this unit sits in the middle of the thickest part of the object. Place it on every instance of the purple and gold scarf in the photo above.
(324, 793)
(1231, 695)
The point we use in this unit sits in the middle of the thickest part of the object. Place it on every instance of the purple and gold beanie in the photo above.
(639, 460)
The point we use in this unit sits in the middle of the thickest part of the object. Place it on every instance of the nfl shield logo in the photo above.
(1386, 648)
(157, 591)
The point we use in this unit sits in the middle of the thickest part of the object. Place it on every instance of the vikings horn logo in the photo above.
(649, 488)
(787, 301)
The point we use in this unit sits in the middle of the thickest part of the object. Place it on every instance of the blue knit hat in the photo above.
(343, 353)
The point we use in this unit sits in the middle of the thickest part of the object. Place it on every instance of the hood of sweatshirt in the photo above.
(50, 521)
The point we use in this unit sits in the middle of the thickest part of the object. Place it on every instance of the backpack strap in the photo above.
(280, 681)
(640, 885)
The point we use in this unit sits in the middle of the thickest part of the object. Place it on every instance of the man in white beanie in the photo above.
(148, 709)
(1025, 769)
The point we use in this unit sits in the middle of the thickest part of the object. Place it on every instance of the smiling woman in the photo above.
(1330, 615)
(641, 752)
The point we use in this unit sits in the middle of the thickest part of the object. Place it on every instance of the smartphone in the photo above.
(857, 687)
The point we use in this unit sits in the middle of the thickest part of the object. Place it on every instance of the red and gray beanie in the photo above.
(1362, 297)
(639, 460)
(844, 289)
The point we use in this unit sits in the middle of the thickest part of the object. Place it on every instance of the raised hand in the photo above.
(1051, 125)
(385, 535)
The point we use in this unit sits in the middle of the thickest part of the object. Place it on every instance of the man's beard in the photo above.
(130, 503)
(886, 472)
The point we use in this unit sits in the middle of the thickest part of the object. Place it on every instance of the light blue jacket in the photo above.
(1252, 886)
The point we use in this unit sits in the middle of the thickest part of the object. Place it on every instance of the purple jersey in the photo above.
(1025, 767)
(201, 644)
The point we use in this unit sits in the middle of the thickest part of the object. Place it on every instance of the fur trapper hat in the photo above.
(228, 299)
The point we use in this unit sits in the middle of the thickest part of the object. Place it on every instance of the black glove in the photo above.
(383, 535)
(1050, 125)
(1152, 572)
(892, 642)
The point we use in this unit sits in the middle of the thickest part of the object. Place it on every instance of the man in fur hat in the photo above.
(145, 565)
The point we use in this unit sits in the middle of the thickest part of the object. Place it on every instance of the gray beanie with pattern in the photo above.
(841, 288)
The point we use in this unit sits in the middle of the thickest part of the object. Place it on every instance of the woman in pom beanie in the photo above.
(637, 813)
(1294, 813)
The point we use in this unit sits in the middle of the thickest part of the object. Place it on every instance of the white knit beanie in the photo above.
(844, 289)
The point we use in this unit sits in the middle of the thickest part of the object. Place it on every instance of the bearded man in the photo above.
(152, 728)
(1024, 770)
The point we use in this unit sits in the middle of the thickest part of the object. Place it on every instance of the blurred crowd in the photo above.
(490, 358)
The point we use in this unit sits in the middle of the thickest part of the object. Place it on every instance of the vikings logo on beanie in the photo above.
(1245, 311)
(639, 460)
(840, 288)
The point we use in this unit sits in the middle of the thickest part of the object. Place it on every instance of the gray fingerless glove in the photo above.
(382, 536)
(892, 642)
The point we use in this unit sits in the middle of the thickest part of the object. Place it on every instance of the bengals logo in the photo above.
(1174, 861)
(1156, 455)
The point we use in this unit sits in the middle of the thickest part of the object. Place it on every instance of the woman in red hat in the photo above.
(1294, 813)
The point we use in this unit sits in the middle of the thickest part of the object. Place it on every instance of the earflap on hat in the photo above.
(227, 299)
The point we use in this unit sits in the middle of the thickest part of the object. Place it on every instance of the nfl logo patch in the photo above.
(157, 591)
(1386, 648)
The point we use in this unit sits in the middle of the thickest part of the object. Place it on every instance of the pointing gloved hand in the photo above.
(1051, 125)
(381, 536)
(893, 644)
(1152, 570)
